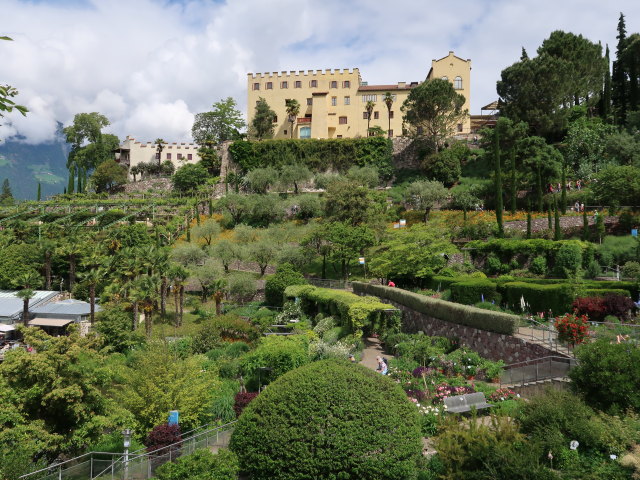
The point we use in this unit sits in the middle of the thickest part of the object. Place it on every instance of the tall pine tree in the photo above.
(39, 191)
(619, 76)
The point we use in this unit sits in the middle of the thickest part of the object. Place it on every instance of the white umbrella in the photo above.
(522, 303)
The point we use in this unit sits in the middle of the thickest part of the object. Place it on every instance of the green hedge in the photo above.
(541, 298)
(353, 311)
(448, 311)
(318, 155)
(440, 282)
(601, 292)
(471, 292)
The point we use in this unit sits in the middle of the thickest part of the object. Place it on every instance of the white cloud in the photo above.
(150, 65)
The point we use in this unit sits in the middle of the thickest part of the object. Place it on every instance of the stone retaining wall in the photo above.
(490, 345)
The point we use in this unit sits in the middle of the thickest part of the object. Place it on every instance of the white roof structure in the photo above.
(65, 308)
(11, 305)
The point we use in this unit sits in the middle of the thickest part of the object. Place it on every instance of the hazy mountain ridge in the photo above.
(25, 165)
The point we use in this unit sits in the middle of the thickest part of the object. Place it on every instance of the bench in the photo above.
(464, 403)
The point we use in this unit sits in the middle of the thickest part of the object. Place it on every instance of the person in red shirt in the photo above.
(391, 284)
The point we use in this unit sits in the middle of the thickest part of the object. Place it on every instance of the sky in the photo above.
(151, 65)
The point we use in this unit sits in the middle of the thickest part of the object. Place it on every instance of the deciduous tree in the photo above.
(224, 122)
(432, 110)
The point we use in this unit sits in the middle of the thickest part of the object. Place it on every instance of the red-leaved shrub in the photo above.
(162, 436)
(242, 400)
(597, 308)
(619, 305)
(593, 307)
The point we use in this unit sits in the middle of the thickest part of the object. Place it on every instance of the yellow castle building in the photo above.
(332, 103)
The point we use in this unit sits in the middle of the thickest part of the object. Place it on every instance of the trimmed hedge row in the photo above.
(557, 298)
(354, 311)
(319, 155)
(472, 291)
(441, 309)
(541, 294)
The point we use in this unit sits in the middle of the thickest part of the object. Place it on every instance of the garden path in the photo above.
(371, 351)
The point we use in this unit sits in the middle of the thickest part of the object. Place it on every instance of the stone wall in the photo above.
(490, 345)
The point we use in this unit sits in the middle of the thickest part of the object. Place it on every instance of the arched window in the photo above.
(457, 83)
(445, 78)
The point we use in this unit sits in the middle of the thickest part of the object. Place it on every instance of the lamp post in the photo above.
(126, 433)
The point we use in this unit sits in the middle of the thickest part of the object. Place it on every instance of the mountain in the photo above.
(25, 165)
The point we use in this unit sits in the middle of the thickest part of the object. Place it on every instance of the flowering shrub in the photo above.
(573, 329)
(432, 417)
(503, 394)
(593, 307)
(445, 390)
(416, 395)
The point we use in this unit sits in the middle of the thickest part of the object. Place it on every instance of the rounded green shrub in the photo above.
(539, 265)
(331, 420)
(275, 284)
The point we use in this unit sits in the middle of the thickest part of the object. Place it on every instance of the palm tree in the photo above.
(369, 108)
(147, 287)
(47, 248)
(160, 143)
(293, 109)
(26, 295)
(28, 281)
(72, 250)
(92, 277)
(388, 101)
(178, 275)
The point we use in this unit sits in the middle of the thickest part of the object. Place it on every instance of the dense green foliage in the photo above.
(353, 311)
(317, 155)
(373, 429)
(201, 465)
(608, 375)
(276, 284)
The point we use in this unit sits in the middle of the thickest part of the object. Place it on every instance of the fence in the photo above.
(139, 465)
(326, 283)
(537, 369)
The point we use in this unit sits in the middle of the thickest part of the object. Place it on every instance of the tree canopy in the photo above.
(262, 124)
(433, 110)
(224, 122)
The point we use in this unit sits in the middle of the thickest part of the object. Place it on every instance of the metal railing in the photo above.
(136, 465)
(542, 334)
(537, 369)
(327, 283)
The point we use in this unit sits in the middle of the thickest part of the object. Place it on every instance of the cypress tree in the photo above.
(498, 172)
(563, 196)
(549, 217)
(514, 187)
(557, 232)
(210, 207)
(188, 230)
(619, 76)
(64, 190)
(72, 179)
(529, 219)
(600, 226)
(6, 195)
(39, 195)
(197, 212)
(585, 226)
(605, 100)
